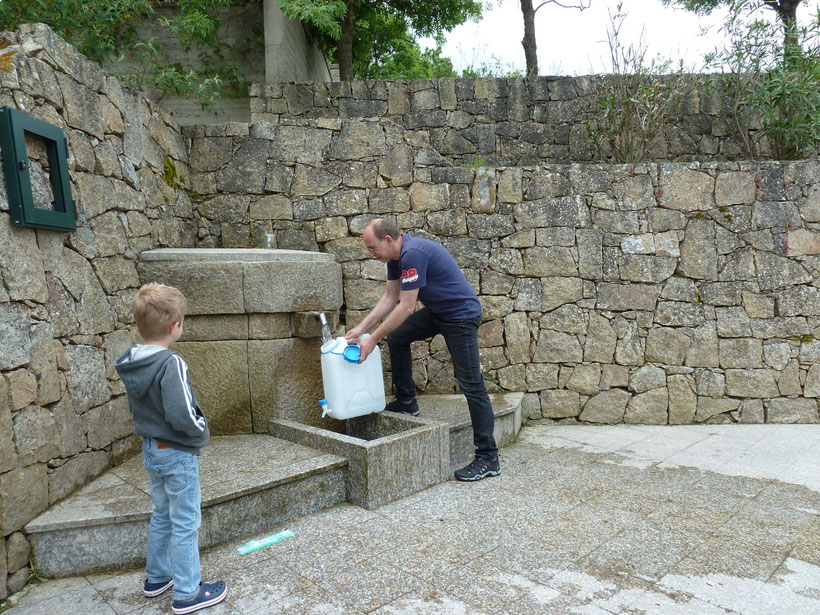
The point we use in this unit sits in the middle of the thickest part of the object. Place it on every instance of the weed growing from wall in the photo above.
(636, 100)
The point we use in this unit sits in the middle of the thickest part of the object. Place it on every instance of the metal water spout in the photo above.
(326, 334)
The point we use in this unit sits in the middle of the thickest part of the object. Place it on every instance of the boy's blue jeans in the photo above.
(173, 535)
(461, 337)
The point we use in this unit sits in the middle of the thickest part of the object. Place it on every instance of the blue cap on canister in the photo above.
(352, 353)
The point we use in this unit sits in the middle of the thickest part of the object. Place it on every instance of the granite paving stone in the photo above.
(703, 520)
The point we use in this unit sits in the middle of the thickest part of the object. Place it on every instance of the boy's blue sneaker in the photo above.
(209, 595)
(152, 590)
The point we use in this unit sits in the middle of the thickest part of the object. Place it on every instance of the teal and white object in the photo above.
(258, 543)
(351, 388)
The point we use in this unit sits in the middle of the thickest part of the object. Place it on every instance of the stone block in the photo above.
(285, 381)
(704, 351)
(517, 335)
(678, 314)
(667, 345)
(540, 376)
(22, 388)
(709, 407)
(560, 404)
(15, 342)
(560, 211)
(557, 347)
(87, 384)
(23, 496)
(759, 383)
(76, 472)
(219, 373)
(799, 301)
(630, 347)
(606, 407)
(290, 286)
(741, 352)
(429, 197)
(650, 408)
(788, 380)
(614, 376)
(17, 552)
(601, 338)
(623, 297)
(799, 410)
(812, 386)
(212, 327)
(775, 272)
(698, 255)
(36, 435)
(586, 379)
(735, 188)
(549, 262)
(21, 263)
(686, 190)
(107, 423)
(646, 378)
(682, 399)
(210, 287)
(751, 411)
(271, 207)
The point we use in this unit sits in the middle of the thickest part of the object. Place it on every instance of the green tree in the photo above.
(106, 31)
(360, 32)
(773, 86)
(786, 10)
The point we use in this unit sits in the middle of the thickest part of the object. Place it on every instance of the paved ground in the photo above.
(700, 520)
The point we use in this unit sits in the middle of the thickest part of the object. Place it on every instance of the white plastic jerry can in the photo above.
(351, 388)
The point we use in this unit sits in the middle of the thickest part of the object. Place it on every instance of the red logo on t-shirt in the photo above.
(410, 275)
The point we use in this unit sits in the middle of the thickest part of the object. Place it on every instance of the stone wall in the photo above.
(666, 292)
(506, 122)
(65, 298)
(657, 293)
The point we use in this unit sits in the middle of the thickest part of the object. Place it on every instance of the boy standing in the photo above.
(174, 429)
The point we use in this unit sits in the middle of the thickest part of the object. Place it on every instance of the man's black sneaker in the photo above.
(479, 468)
(399, 406)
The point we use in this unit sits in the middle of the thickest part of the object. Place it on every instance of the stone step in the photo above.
(452, 410)
(250, 483)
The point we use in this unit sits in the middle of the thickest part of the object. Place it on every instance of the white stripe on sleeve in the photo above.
(182, 371)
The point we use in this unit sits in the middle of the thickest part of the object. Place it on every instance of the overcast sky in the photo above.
(573, 42)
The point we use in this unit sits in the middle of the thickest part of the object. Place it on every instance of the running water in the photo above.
(326, 335)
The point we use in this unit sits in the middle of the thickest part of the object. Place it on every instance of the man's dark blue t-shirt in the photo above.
(428, 266)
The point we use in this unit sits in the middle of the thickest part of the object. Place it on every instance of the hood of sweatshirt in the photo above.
(139, 366)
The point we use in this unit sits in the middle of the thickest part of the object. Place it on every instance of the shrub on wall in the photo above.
(773, 85)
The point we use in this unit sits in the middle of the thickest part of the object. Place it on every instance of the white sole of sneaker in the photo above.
(157, 592)
(478, 477)
(200, 605)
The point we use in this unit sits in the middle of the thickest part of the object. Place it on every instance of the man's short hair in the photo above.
(156, 307)
(382, 227)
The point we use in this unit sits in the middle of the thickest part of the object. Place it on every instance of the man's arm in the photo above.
(406, 306)
(382, 308)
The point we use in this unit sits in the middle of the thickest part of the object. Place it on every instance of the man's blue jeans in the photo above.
(461, 337)
(173, 535)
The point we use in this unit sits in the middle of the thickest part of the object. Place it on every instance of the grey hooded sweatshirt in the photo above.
(161, 398)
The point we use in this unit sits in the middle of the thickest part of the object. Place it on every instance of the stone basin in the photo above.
(390, 455)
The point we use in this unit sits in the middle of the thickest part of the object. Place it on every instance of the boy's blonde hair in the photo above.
(156, 307)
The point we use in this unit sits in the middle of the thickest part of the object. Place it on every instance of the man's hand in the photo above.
(367, 345)
(354, 334)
